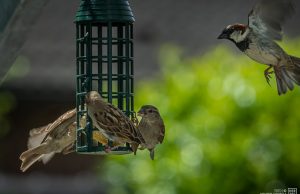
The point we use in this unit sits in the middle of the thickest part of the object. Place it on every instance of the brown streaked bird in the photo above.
(97, 135)
(151, 127)
(44, 142)
(257, 41)
(112, 122)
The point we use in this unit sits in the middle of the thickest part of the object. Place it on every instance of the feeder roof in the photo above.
(104, 11)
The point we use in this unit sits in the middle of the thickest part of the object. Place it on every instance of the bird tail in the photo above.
(134, 147)
(31, 156)
(151, 153)
(287, 75)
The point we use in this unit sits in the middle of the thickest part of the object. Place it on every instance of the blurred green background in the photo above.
(18, 69)
(227, 130)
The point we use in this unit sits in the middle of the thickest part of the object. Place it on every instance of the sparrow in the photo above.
(257, 41)
(151, 127)
(97, 135)
(44, 142)
(112, 122)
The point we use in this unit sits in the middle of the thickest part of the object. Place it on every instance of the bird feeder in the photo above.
(104, 60)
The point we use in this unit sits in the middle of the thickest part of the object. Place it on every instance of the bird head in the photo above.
(148, 111)
(92, 96)
(234, 32)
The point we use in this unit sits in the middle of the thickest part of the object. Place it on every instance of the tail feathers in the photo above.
(151, 153)
(29, 159)
(31, 156)
(294, 71)
(287, 75)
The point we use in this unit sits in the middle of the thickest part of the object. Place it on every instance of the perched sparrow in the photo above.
(56, 137)
(151, 127)
(257, 41)
(112, 122)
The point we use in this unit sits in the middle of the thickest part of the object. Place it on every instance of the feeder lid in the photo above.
(104, 11)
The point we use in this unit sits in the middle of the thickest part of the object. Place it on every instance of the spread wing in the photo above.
(115, 123)
(37, 131)
(267, 17)
(36, 136)
(59, 126)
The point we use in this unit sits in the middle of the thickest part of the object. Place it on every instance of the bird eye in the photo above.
(150, 111)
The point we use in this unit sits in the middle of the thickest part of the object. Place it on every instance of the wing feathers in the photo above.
(267, 17)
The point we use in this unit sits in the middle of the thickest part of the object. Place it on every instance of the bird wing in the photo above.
(36, 136)
(162, 133)
(267, 17)
(61, 124)
(37, 131)
(114, 122)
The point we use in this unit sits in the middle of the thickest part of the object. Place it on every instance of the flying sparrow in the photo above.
(55, 137)
(257, 41)
(112, 122)
(151, 127)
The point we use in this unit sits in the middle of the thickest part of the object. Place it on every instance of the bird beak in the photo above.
(223, 35)
(140, 113)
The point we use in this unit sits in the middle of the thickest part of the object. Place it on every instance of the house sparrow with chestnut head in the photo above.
(56, 137)
(112, 122)
(257, 41)
(151, 127)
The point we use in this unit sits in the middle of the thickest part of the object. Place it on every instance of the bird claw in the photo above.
(268, 75)
(108, 148)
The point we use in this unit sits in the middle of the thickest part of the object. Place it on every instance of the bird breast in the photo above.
(150, 134)
(261, 54)
(264, 50)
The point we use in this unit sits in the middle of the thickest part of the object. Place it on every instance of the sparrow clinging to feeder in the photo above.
(112, 122)
(55, 137)
(257, 41)
(151, 127)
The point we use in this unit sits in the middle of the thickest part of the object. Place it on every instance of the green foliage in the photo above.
(227, 131)
(19, 69)
(7, 102)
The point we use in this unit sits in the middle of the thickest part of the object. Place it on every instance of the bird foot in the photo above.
(108, 149)
(268, 73)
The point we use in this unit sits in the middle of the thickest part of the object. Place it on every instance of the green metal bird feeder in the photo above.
(104, 59)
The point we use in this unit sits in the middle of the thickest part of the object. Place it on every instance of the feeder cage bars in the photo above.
(104, 59)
